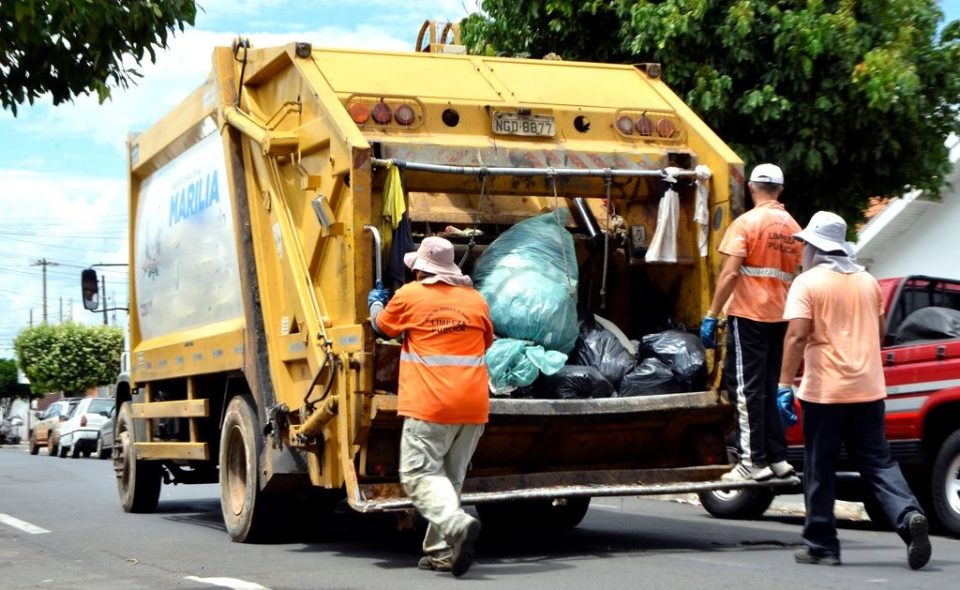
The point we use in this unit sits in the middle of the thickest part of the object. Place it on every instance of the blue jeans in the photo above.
(860, 428)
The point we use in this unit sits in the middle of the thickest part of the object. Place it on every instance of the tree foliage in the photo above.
(852, 99)
(73, 47)
(8, 379)
(70, 358)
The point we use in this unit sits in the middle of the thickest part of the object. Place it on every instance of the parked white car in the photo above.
(80, 432)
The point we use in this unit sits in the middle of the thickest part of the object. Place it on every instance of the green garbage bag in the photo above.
(513, 363)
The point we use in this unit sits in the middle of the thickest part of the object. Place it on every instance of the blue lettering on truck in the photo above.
(194, 198)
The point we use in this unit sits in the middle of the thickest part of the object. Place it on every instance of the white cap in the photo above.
(769, 173)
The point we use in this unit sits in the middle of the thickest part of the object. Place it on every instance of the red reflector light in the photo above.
(625, 125)
(645, 126)
(83, 420)
(666, 128)
(382, 113)
(359, 112)
(405, 115)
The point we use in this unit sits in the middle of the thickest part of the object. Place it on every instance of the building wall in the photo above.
(931, 245)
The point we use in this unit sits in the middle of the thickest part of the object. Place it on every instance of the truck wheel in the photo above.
(946, 484)
(34, 446)
(63, 451)
(246, 510)
(559, 513)
(52, 448)
(75, 451)
(744, 504)
(138, 482)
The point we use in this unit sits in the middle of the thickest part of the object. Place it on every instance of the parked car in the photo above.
(46, 430)
(105, 437)
(10, 430)
(79, 433)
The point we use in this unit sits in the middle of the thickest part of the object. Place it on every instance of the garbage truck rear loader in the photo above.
(253, 361)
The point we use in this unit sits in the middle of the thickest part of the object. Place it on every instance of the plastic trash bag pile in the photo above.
(602, 366)
(528, 276)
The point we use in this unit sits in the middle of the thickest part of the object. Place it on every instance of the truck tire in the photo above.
(246, 510)
(946, 484)
(52, 447)
(138, 482)
(75, 451)
(560, 513)
(744, 504)
(63, 451)
(34, 446)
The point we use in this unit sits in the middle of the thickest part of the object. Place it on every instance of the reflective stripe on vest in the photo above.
(443, 360)
(770, 273)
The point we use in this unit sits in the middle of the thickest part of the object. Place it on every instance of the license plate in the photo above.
(530, 125)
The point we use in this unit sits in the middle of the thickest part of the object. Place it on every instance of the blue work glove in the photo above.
(788, 412)
(708, 332)
(378, 293)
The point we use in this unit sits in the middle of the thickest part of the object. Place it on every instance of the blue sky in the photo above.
(62, 169)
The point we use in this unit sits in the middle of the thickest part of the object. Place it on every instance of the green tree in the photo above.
(69, 357)
(8, 379)
(71, 47)
(852, 99)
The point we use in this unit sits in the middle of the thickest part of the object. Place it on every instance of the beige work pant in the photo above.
(433, 463)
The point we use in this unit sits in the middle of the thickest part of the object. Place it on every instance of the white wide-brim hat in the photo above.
(435, 256)
(826, 232)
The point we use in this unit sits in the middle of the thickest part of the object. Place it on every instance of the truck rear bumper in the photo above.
(647, 482)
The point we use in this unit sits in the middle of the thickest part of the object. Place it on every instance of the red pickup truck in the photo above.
(921, 358)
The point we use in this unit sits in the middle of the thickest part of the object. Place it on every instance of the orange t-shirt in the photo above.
(443, 375)
(842, 358)
(763, 237)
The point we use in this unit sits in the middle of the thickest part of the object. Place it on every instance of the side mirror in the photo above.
(91, 289)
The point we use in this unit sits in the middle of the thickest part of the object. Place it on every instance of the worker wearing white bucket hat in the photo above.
(836, 317)
(443, 394)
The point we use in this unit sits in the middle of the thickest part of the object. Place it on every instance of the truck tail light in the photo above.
(381, 113)
(405, 115)
(625, 125)
(359, 112)
(644, 126)
(666, 128)
(83, 420)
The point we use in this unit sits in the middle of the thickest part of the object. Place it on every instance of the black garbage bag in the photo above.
(929, 323)
(573, 381)
(600, 349)
(682, 352)
(650, 377)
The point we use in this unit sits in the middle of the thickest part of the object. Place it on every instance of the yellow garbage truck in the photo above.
(254, 209)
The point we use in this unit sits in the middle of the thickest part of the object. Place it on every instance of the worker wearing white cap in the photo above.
(762, 260)
(836, 316)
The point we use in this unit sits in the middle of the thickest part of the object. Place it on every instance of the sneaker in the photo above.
(782, 469)
(803, 555)
(463, 548)
(442, 564)
(918, 545)
(742, 472)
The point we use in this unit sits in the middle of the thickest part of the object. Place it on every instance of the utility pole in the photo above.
(31, 318)
(61, 310)
(103, 287)
(43, 262)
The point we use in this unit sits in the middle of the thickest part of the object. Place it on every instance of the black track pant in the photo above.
(752, 371)
(860, 428)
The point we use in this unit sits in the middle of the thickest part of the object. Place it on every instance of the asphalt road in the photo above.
(622, 543)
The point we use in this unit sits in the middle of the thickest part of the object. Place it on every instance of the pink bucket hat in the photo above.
(434, 256)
